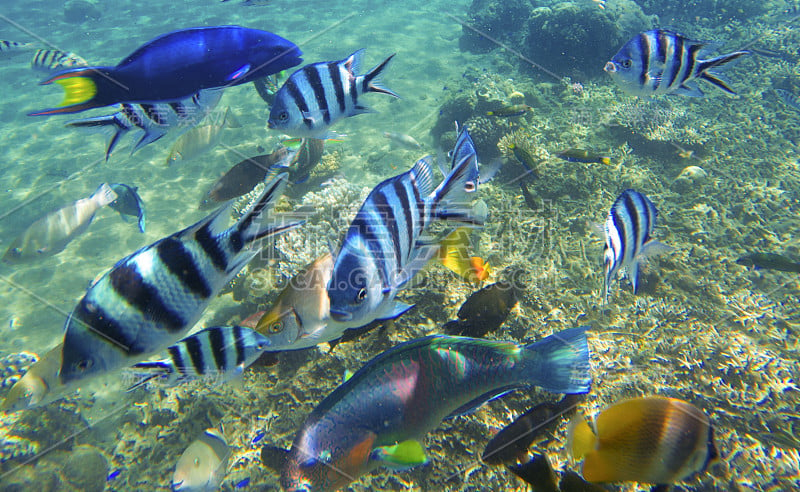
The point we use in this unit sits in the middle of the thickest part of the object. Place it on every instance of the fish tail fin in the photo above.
(104, 195)
(372, 79)
(559, 363)
(251, 227)
(84, 88)
(150, 371)
(114, 121)
(581, 439)
(449, 199)
(715, 78)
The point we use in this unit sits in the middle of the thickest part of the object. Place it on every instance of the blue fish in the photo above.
(383, 250)
(258, 437)
(242, 483)
(151, 298)
(111, 476)
(630, 222)
(176, 65)
(318, 95)
(128, 202)
(660, 61)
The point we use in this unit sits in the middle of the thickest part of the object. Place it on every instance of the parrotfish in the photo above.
(378, 415)
(382, 250)
(651, 439)
(318, 95)
(630, 223)
(152, 298)
(176, 65)
(203, 465)
(660, 61)
(128, 202)
(50, 234)
(39, 385)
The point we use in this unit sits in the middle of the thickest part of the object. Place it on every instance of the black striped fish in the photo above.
(665, 62)
(153, 120)
(151, 298)
(630, 222)
(218, 353)
(52, 61)
(383, 250)
(318, 95)
(9, 49)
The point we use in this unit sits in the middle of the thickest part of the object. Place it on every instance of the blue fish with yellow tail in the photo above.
(176, 65)
(152, 298)
(376, 417)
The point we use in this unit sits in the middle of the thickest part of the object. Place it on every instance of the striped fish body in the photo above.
(218, 354)
(51, 61)
(406, 391)
(382, 249)
(50, 234)
(628, 228)
(9, 49)
(660, 61)
(318, 95)
(151, 298)
(153, 120)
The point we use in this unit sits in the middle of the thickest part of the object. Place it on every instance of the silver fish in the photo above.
(152, 298)
(198, 140)
(660, 61)
(51, 61)
(50, 234)
(403, 140)
(318, 95)
(203, 465)
(630, 222)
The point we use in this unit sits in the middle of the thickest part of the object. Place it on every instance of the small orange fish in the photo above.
(453, 255)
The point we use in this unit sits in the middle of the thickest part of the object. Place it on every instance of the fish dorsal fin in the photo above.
(353, 62)
(423, 174)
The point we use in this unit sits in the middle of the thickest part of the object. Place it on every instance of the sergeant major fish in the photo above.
(218, 353)
(51, 61)
(318, 95)
(630, 222)
(382, 250)
(50, 234)
(379, 414)
(10, 49)
(660, 61)
(151, 298)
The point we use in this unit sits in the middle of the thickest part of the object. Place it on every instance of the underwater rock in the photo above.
(688, 11)
(86, 469)
(489, 20)
(78, 11)
(13, 366)
(575, 39)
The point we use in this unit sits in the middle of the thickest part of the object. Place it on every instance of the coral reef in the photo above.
(13, 366)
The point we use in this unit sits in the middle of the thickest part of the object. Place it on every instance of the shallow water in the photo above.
(702, 328)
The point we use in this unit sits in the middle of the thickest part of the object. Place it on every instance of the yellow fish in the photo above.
(453, 255)
(204, 464)
(651, 440)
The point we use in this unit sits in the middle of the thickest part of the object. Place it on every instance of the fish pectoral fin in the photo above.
(398, 310)
(401, 456)
(652, 248)
(314, 117)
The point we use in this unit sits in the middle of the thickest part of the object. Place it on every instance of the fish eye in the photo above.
(283, 116)
(276, 327)
(626, 64)
(362, 294)
(84, 365)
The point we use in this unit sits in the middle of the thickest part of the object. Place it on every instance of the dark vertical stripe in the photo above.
(151, 112)
(211, 247)
(677, 62)
(145, 298)
(386, 212)
(420, 205)
(662, 43)
(238, 339)
(179, 108)
(338, 85)
(177, 359)
(691, 58)
(644, 52)
(106, 328)
(216, 344)
(195, 350)
(297, 96)
(369, 234)
(401, 190)
(133, 116)
(632, 212)
(353, 90)
(180, 263)
(619, 228)
(315, 81)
